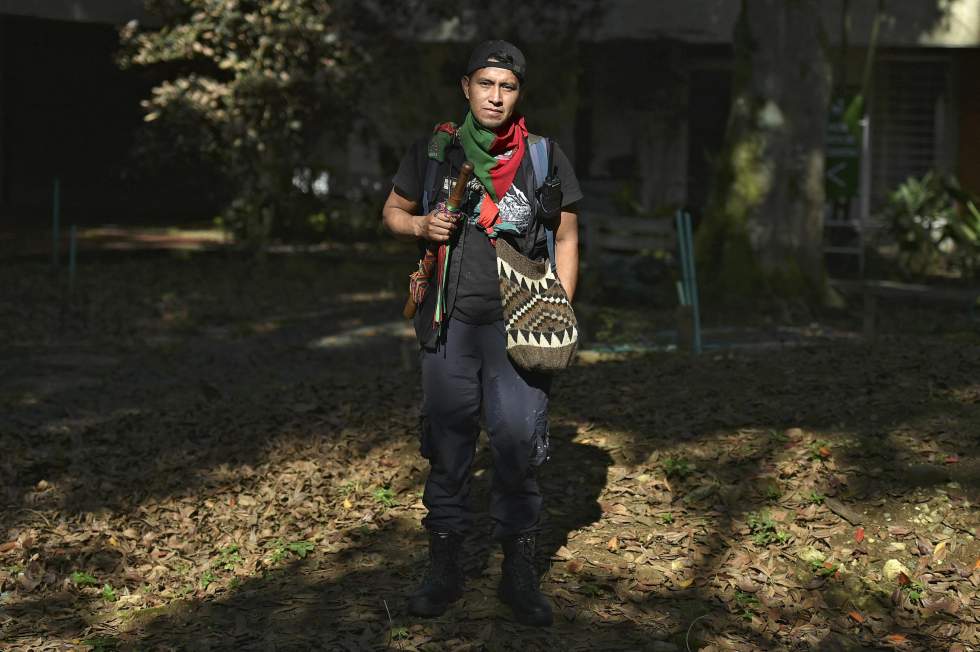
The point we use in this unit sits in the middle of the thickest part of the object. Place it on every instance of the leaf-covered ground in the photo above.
(202, 453)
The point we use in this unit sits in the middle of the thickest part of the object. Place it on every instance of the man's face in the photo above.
(493, 95)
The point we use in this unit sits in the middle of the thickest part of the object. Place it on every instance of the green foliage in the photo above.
(677, 466)
(915, 590)
(101, 643)
(667, 518)
(824, 568)
(936, 226)
(764, 530)
(281, 550)
(819, 449)
(81, 578)
(208, 578)
(747, 603)
(773, 492)
(109, 593)
(254, 86)
(228, 558)
(815, 498)
(385, 496)
(262, 90)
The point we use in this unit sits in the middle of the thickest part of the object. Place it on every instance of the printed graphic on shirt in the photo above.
(514, 207)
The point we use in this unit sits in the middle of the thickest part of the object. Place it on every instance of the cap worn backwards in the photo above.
(498, 54)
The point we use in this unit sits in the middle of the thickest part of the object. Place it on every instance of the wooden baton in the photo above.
(452, 206)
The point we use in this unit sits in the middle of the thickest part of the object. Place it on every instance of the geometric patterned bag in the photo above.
(542, 333)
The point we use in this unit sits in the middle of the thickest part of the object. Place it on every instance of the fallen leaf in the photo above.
(859, 534)
(684, 583)
(613, 544)
(856, 616)
(896, 639)
(10, 545)
(347, 503)
(939, 552)
(952, 459)
(563, 554)
(575, 565)
(903, 579)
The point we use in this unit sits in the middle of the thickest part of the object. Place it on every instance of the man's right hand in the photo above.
(437, 226)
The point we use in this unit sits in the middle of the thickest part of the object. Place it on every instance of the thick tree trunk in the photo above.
(763, 229)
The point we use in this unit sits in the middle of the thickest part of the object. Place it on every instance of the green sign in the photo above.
(842, 162)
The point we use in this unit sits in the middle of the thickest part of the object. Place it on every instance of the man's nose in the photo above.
(497, 95)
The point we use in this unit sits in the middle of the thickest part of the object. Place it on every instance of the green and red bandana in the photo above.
(482, 147)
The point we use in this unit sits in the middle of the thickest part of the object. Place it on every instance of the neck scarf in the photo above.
(482, 146)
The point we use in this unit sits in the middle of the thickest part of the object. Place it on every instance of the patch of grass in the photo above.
(824, 568)
(228, 558)
(667, 518)
(820, 450)
(747, 604)
(109, 593)
(348, 488)
(81, 578)
(773, 493)
(399, 633)
(207, 578)
(777, 437)
(764, 530)
(101, 643)
(590, 590)
(677, 467)
(281, 550)
(385, 496)
(915, 590)
(815, 498)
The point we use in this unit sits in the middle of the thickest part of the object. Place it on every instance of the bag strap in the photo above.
(540, 150)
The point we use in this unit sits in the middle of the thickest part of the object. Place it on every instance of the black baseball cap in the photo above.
(498, 54)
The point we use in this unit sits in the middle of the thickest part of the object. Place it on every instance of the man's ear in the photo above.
(465, 81)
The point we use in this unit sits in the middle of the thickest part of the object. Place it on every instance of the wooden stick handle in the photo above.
(459, 190)
(452, 205)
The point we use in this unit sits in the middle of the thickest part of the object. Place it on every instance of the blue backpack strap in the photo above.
(539, 159)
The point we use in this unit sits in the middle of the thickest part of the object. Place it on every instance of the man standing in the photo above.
(464, 361)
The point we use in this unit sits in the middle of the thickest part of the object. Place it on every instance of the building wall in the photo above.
(968, 163)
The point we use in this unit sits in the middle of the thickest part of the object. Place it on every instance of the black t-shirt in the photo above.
(473, 290)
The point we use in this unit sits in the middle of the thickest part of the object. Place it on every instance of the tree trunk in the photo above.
(763, 228)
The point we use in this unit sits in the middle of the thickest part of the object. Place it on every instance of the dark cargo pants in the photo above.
(469, 369)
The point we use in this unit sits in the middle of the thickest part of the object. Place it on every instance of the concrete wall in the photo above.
(937, 23)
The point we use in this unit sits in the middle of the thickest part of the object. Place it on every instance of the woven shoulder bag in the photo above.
(542, 333)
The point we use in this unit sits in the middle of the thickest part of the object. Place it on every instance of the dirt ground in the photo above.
(199, 452)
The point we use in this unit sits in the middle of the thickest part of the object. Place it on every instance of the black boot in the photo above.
(519, 584)
(443, 582)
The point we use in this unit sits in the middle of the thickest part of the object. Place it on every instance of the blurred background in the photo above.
(818, 139)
